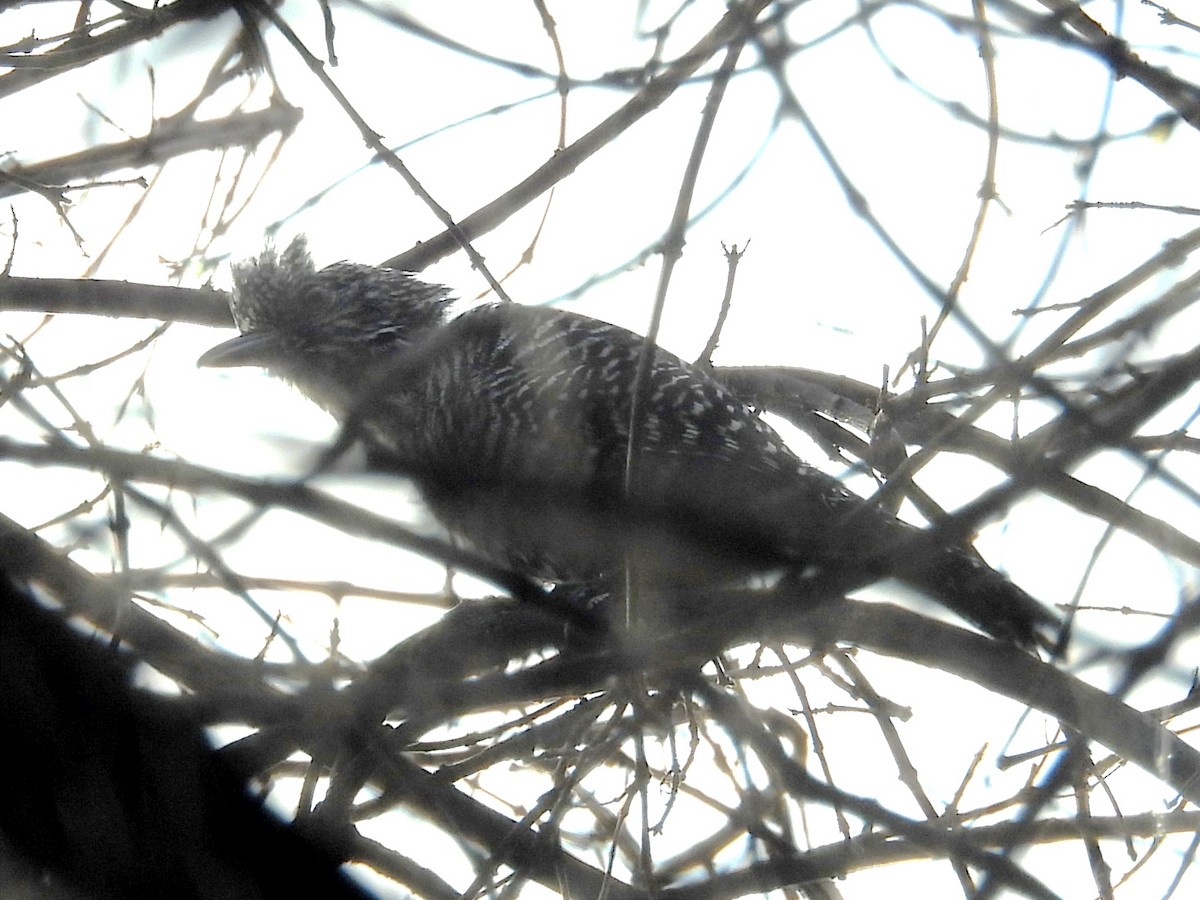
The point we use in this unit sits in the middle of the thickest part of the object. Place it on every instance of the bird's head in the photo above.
(325, 331)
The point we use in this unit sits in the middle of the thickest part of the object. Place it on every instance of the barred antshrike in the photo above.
(515, 421)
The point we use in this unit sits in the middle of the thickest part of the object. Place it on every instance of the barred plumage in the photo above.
(515, 420)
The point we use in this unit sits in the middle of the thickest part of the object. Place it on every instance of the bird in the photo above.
(516, 422)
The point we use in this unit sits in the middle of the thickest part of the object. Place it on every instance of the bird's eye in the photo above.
(386, 335)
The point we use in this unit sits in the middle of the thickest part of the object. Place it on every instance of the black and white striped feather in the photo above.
(516, 422)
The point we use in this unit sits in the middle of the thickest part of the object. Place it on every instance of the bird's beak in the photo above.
(258, 349)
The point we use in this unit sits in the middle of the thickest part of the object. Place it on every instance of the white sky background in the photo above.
(816, 289)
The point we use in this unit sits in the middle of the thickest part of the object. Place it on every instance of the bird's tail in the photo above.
(959, 579)
(872, 544)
